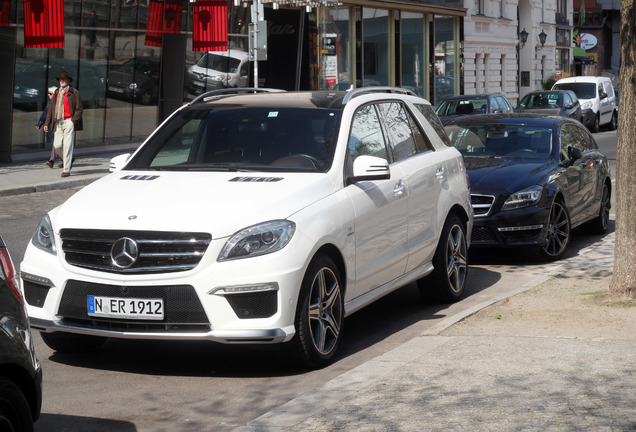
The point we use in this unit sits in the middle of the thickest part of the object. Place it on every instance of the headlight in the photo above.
(44, 238)
(217, 78)
(523, 198)
(258, 240)
(587, 105)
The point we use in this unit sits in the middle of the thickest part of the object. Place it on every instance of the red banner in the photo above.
(163, 17)
(209, 22)
(5, 12)
(44, 23)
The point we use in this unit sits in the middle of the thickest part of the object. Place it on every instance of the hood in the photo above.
(495, 176)
(213, 202)
(545, 111)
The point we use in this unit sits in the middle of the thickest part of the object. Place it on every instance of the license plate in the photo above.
(116, 307)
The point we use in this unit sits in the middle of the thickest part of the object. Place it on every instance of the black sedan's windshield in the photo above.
(242, 139)
(502, 140)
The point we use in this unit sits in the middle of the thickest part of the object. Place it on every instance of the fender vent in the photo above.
(139, 177)
(256, 179)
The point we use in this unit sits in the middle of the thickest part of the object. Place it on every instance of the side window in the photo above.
(494, 106)
(566, 99)
(570, 136)
(435, 122)
(503, 104)
(599, 89)
(398, 129)
(607, 88)
(366, 134)
(586, 140)
(575, 99)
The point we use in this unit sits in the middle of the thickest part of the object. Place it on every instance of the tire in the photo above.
(559, 232)
(596, 125)
(72, 343)
(614, 122)
(448, 280)
(15, 413)
(319, 316)
(600, 223)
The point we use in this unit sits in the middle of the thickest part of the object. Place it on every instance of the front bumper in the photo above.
(196, 305)
(514, 228)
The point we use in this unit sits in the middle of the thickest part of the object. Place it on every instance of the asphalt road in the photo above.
(186, 386)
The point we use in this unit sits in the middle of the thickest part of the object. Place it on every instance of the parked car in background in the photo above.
(288, 211)
(562, 103)
(533, 179)
(596, 95)
(216, 70)
(20, 370)
(137, 79)
(473, 104)
(33, 80)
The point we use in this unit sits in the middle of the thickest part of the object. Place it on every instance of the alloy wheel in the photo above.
(558, 231)
(457, 262)
(325, 311)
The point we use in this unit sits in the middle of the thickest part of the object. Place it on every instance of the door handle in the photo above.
(440, 173)
(398, 189)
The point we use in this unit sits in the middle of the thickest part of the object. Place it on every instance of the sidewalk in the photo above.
(445, 380)
(28, 177)
(448, 381)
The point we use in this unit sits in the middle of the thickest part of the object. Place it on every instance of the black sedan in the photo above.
(20, 371)
(534, 178)
(136, 80)
(554, 102)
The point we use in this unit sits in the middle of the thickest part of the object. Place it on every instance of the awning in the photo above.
(584, 60)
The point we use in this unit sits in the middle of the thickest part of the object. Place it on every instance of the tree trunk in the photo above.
(624, 277)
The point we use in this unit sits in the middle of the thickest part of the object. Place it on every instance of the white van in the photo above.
(217, 70)
(598, 102)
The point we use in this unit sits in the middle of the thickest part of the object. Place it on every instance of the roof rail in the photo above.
(362, 90)
(224, 91)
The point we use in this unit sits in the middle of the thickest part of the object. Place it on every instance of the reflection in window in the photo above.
(366, 134)
(376, 47)
(412, 51)
(398, 130)
(443, 84)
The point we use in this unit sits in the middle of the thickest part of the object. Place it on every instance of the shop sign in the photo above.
(588, 41)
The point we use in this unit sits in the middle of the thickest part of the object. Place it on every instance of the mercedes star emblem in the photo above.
(124, 252)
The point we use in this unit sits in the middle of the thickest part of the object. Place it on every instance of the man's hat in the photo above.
(64, 75)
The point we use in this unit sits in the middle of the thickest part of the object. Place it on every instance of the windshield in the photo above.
(541, 100)
(582, 90)
(243, 139)
(219, 63)
(501, 140)
(463, 106)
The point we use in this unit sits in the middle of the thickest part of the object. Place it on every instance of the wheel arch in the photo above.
(335, 254)
(24, 381)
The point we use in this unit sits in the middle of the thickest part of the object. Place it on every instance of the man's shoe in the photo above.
(50, 164)
(66, 174)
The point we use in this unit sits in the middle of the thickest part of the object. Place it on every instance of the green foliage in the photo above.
(548, 82)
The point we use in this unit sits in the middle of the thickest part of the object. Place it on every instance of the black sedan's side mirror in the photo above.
(574, 153)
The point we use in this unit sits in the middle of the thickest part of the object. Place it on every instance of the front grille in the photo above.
(35, 294)
(158, 252)
(483, 235)
(182, 308)
(481, 204)
(521, 236)
(254, 305)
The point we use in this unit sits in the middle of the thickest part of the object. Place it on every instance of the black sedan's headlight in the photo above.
(523, 198)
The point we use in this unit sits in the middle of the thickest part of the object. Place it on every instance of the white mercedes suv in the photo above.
(256, 217)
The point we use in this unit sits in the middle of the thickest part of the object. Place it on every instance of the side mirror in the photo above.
(603, 95)
(568, 106)
(574, 153)
(370, 168)
(118, 162)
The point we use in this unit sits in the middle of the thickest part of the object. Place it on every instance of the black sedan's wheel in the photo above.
(71, 342)
(558, 237)
(319, 316)
(447, 281)
(600, 223)
(15, 414)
